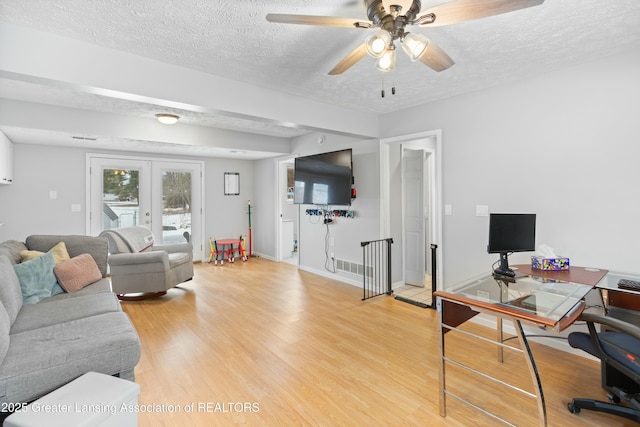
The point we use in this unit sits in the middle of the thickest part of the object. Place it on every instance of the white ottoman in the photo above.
(90, 400)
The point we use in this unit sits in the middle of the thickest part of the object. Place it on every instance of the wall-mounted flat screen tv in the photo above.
(323, 179)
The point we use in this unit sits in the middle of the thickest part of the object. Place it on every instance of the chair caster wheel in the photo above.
(572, 408)
(612, 397)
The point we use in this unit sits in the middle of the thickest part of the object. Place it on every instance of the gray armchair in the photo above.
(139, 267)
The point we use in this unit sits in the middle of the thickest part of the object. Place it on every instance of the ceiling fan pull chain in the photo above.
(382, 91)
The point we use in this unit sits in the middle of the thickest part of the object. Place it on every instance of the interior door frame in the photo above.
(197, 229)
(423, 140)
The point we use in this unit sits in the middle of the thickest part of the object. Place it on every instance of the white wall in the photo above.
(25, 206)
(263, 207)
(347, 233)
(563, 145)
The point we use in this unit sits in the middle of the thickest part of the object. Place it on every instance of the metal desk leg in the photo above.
(441, 367)
(504, 296)
(500, 339)
(533, 370)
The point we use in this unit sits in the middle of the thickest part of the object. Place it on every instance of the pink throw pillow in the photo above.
(77, 273)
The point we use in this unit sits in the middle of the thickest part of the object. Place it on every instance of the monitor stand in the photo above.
(503, 269)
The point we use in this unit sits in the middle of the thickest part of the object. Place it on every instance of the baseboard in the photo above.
(267, 257)
(331, 275)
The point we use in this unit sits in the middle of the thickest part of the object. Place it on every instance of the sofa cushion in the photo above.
(59, 253)
(11, 249)
(10, 293)
(97, 247)
(44, 359)
(77, 273)
(178, 258)
(37, 280)
(5, 325)
(99, 287)
(54, 312)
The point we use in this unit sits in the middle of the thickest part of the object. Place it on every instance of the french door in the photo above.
(162, 195)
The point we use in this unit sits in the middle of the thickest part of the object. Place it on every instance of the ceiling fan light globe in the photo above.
(378, 43)
(414, 45)
(387, 62)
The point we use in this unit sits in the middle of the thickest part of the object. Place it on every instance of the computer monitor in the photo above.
(511, 233)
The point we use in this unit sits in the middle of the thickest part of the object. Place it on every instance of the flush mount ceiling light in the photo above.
(390, 26)
(167, 119)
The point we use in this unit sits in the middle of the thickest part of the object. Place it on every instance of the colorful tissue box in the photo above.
(541, 263)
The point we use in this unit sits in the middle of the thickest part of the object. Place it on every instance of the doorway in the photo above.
(288, 214)
(411, 200)
(416, 209)
(162, 195)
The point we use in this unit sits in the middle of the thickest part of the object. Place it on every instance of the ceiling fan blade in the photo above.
(326, 21)
(467, 10)
(356, 55)
(436, 58)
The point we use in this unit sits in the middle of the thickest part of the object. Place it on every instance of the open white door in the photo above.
(413, 216)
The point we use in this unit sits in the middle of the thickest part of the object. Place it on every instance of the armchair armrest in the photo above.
(150, 257)
(185, 247)
(612, 322)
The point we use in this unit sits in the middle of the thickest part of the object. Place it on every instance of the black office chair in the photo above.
(618, 348)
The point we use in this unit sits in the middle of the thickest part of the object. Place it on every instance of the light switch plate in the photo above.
(482, 210)
(448, 210)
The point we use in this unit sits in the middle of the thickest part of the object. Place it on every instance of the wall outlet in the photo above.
(448, 210)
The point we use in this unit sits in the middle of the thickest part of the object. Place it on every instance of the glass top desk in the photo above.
(536, 297)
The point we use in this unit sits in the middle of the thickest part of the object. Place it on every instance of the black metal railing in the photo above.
(434, 273)
(376, 266)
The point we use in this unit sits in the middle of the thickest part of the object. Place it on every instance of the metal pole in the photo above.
(434, 273)
(364, 269)
(389, 242)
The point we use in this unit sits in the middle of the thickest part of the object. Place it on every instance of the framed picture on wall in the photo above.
(231, 184)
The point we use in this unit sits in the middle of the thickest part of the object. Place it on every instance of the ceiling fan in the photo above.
(391, 26)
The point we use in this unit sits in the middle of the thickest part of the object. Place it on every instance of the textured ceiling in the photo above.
(232, 39)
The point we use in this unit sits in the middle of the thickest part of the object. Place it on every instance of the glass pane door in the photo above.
(176, 206)
(177, 202)
(120, 198)
(120, 194)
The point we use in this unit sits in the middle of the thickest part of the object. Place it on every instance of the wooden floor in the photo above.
(264, 344)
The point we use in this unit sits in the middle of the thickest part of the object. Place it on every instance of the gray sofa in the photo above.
(59, 338)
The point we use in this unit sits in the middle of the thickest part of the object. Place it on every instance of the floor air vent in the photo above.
(352, 267)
